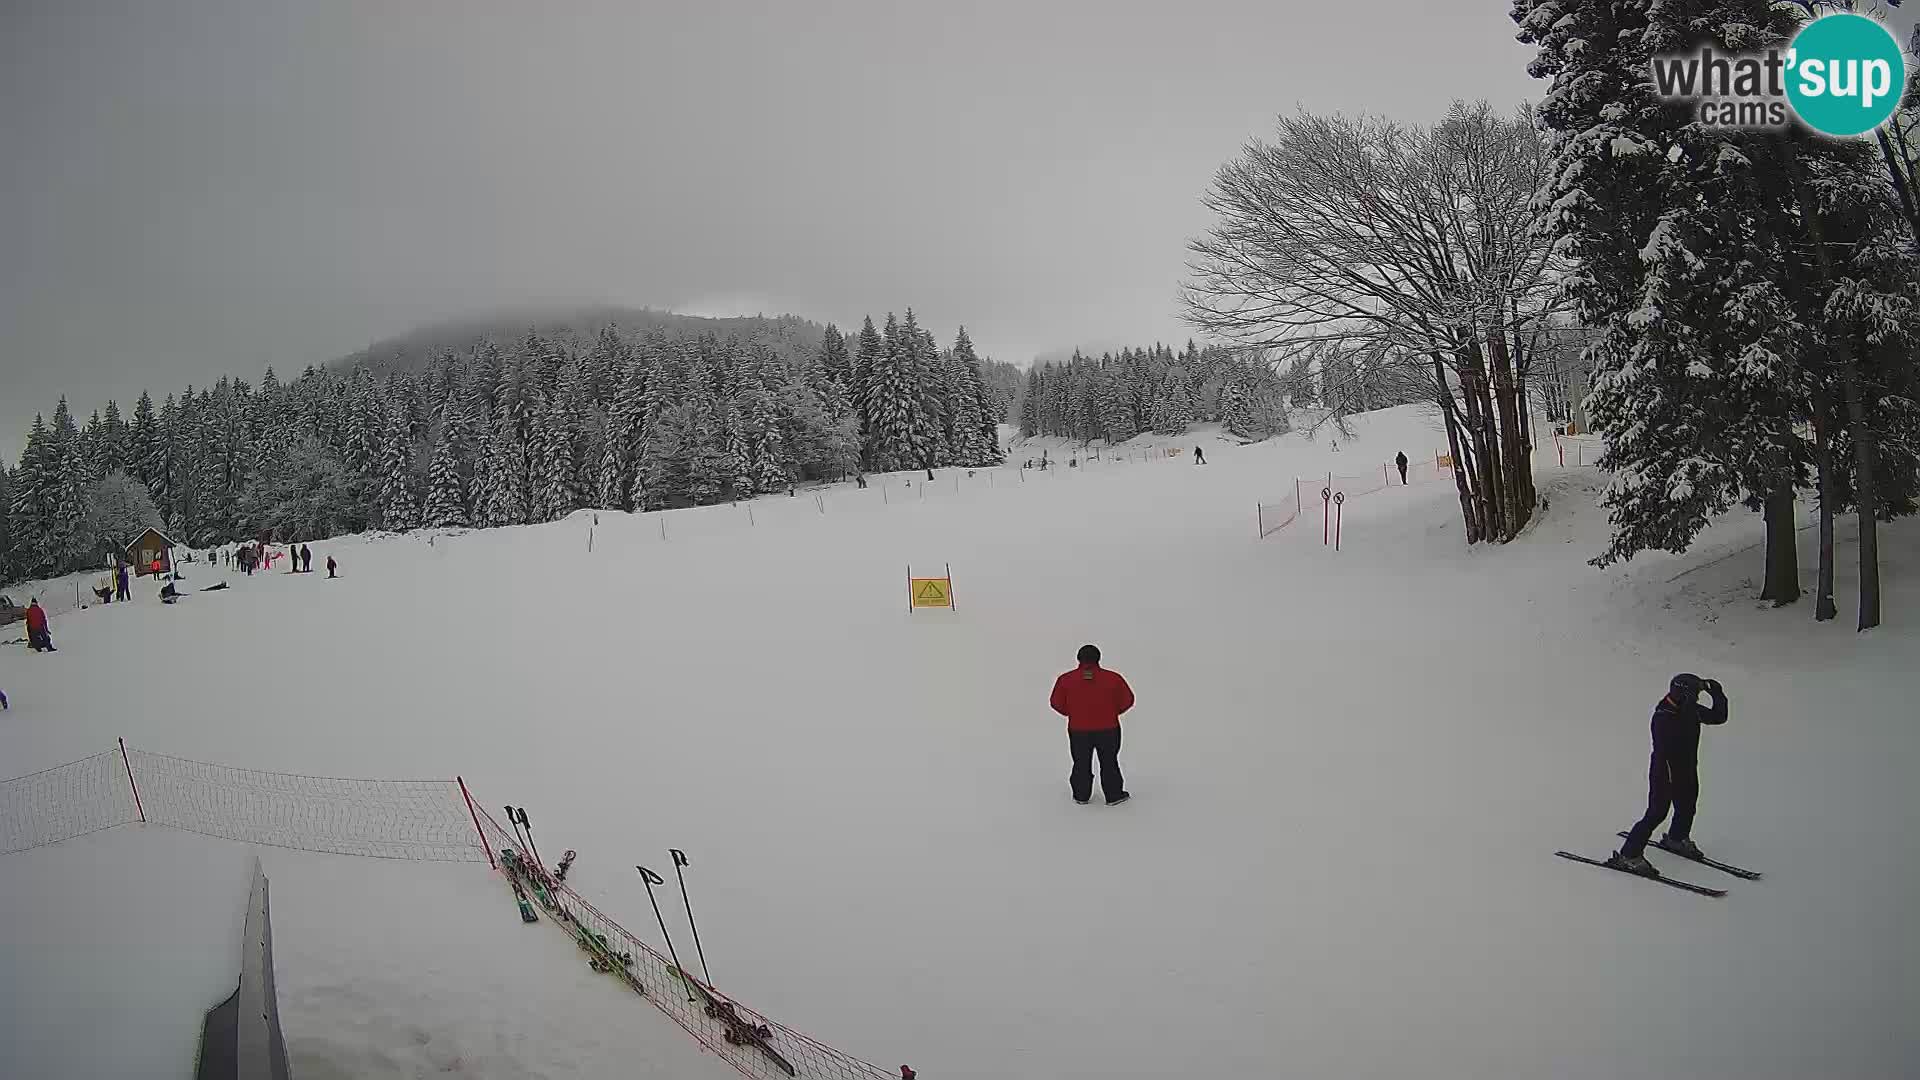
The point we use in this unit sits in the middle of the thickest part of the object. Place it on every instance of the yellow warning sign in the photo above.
(932, 592)
(1445, 461)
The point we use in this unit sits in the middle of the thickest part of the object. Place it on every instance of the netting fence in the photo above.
(65, 801)
(750, 1042)
(422, 820)
(1309, 490)
(1569, 451)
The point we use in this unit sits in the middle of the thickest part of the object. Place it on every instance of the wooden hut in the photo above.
(151, 553)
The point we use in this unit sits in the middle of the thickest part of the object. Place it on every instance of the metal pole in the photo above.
(131, 784)
(484, 846)
(651, 880)
(680, 860)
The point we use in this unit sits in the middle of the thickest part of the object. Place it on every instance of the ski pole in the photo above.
(513, 822)
(680, 860)
(528, 825)
(651, 880)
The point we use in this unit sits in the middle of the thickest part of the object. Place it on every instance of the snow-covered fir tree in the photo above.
(399, 505)
(446, 490)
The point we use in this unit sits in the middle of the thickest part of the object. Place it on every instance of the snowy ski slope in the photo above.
(1351, 771)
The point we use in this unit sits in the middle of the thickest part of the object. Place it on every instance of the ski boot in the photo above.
(1633, 864)
(1680, 845)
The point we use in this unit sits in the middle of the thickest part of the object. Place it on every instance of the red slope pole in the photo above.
(130, 783)
(475, 814)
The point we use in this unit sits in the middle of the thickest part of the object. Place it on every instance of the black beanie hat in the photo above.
(1684, 687)
(1089, 654)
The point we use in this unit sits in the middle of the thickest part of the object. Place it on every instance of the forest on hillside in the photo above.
(492, 435)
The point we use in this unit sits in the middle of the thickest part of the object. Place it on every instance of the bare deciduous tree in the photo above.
(1403, 248)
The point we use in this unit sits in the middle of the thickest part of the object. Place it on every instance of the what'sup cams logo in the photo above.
(1842, 75)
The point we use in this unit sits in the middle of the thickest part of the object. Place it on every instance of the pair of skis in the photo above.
(739, 1030)
(527, 874)
(1701, 890)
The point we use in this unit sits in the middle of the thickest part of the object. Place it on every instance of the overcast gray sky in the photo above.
(190, 188)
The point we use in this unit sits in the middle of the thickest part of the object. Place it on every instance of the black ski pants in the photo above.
(1085, 745)
(1403, 475)
(1671, 785)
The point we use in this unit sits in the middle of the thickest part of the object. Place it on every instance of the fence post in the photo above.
(135, 787)
(475, 814)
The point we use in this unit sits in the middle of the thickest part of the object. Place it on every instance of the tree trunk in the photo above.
(1484, 456)
(1899, 178)
(1443, 394)
(1515, 489)
(1823, 606)
(1783, 555)
(1866, 492)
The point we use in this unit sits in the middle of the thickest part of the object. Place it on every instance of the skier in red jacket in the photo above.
(1092, 699)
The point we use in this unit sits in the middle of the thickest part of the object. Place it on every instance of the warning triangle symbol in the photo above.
(932, 590)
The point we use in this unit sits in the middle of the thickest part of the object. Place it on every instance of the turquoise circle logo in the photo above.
(1846, 74)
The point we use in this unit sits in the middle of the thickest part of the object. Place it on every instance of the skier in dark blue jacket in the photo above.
(1673, 774)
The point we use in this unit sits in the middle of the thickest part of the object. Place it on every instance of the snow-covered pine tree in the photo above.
(1173, 404)
(7, 566)
(497, 496)
(661, 477)
(399, 505)
(1676, 268)
(624, 427)
(835, 359)
(143, 444)
(709, 466)
(976, 432)
(894, 435)
(446, 491)
(31, 507)
(927, 374)
(738, 471)
(1030, 393)
(66, 481)
(869, 349)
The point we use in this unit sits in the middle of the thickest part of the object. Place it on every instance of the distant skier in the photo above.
(1199, 456)
(306, 559)
(38, 637)
(1093, 699)
(331, 565)
(3, 701)
(121, 590)
(169, 593)
(1400, 460)
(1673, 775)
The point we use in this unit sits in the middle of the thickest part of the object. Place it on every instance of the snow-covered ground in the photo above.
(1351, 771)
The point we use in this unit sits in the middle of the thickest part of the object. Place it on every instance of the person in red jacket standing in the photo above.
(38, 638)
(1092, 699)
